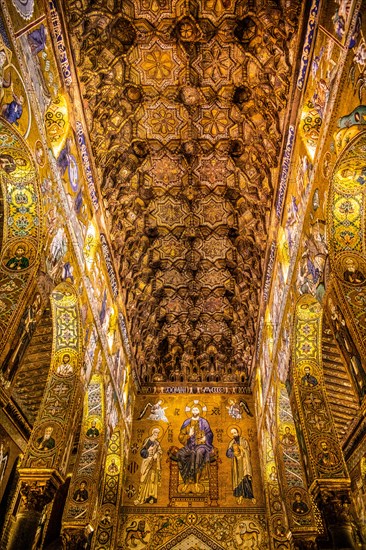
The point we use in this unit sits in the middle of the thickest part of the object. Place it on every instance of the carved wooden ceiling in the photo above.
(345, 411)
(185, 102)
(30, 379)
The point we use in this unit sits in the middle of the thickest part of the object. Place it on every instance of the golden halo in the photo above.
(314, 368)
(348, 263)
(231, 427)
(196, 403)
(93, 418)
(10, 252)
(351, 261)
(156, 427)
(116, 460)
(21, 244)
(284, 426)
(162, 401)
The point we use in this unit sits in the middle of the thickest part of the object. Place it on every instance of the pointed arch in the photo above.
(67, 332)
(32, 366)
(46, 457)
(21, 228)
(62, 392)
(346, 224)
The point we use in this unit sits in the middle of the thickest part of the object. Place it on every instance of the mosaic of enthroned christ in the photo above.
(186, 103)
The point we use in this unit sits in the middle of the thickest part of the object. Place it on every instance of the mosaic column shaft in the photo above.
(299, 507)
(277, 517)
(106, 531)
(83, 492)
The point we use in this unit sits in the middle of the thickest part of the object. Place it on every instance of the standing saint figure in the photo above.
(241, 468)
(197, 437)
(150, 478)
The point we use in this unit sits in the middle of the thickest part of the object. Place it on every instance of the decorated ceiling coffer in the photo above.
(185, 103)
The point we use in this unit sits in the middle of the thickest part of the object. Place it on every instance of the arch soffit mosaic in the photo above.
(346, 219)
(21, 232)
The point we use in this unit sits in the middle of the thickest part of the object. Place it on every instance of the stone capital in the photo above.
(305, 544)
(35, 495)
(38, 487)
(76, 538)
(334, 499)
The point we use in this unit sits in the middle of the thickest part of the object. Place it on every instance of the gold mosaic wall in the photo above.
(192, 453)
